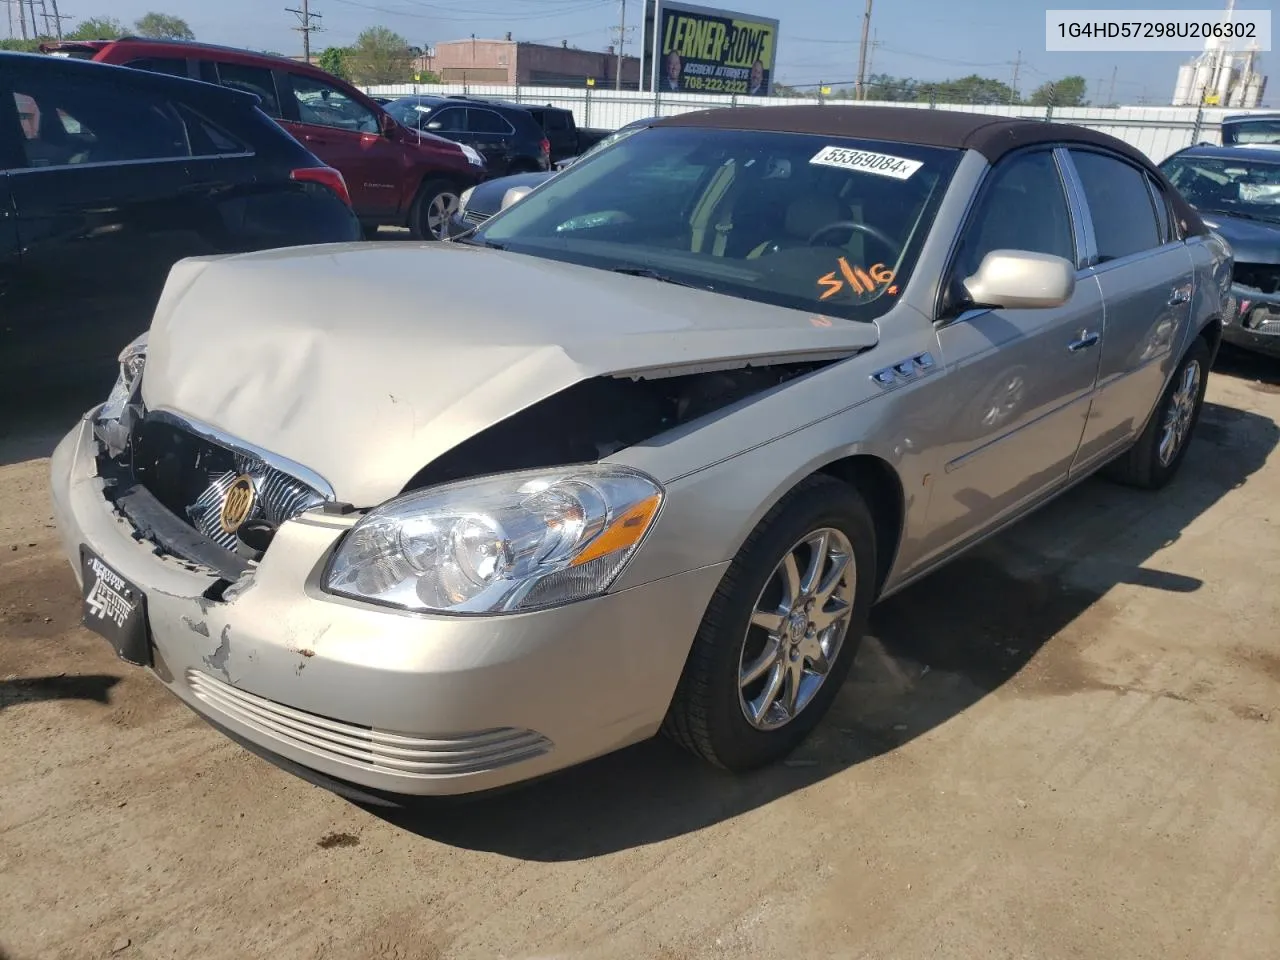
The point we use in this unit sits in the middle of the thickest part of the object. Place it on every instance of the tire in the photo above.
(424, 210)
(708, 714)
(1146, 464)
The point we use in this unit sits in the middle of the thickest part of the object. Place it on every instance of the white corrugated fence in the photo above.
(1156, 131)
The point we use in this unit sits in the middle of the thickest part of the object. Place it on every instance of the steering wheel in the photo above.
(861, 228)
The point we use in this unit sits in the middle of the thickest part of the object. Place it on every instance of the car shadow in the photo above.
(1262, 372)
(91, 687)
(932, 651)
(41, 418)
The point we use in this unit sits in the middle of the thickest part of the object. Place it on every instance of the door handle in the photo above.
(1086, 340)
(1180, 295)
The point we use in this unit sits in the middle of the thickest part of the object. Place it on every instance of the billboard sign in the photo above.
(702, 50)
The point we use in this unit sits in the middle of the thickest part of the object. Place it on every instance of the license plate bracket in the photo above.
(115, 608)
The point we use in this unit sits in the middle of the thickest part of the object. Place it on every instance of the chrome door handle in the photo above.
(1086, 340)
(1179, 296)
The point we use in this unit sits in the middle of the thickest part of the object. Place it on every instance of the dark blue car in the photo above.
(1236, 189)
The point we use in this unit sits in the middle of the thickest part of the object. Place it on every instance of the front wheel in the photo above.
(1154, 460)
(781, 631)
(436, 202)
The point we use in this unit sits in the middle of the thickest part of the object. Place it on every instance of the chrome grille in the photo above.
(280, 497)
(366, 747)
(474, 216)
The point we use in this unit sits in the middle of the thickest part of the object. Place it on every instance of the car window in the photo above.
(1251, 131)
(1023, 206)
(171, 65)
(257, 80)
(1163, 220)
(1232, 186)
(486, 121)
(555, 120)
(324, 104)
(448, 120)
(827, 225)
(1124, 219)
(207, 139)
(65, 124)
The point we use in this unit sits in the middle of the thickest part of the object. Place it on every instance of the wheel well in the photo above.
(879, 484)
(427, 178)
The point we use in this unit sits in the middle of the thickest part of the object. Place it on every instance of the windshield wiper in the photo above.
(1246, 215)
(649, 273)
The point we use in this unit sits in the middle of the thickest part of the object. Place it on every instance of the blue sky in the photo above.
(818, 42)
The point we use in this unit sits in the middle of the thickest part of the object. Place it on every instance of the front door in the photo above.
(346, 135)
(1020, 380)
(96, 204)
(1146, 276)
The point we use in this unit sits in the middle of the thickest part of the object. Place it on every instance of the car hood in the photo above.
(331, 356)
(1252, 241)
(487, 197)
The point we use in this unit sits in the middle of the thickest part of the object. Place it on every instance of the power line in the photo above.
(305, 16)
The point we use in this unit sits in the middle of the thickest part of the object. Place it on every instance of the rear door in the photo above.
(99, 207)
(345, 134)
(490, 133)
(1146, 276)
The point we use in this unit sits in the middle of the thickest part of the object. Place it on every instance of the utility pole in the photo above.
(305, 16)
(861, 86)
(57, 19)
(1017, 65)
(1111, 91)
(622, 41)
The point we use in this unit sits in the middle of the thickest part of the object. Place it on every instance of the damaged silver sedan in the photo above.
(665, 432)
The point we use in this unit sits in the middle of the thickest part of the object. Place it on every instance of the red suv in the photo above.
(396, 176)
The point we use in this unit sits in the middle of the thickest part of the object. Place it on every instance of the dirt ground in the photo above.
(1064, 745)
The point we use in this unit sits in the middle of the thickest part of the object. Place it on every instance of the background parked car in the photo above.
(562, 130)
(1246, 128)
(1237, 191)
(477, 204)
(111, 176)
(508, 137)
(396, 176)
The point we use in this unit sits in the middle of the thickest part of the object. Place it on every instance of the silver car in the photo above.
(669, 428)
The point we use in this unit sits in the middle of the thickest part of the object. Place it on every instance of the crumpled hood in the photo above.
(366, 361)
(1252, 241)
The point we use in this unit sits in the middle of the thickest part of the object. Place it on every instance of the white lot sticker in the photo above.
(881, 164)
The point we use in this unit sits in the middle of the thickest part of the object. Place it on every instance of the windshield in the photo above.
(620, 134)
(788, 219)
(1230, 186)
(412, 112)
(1262, 130)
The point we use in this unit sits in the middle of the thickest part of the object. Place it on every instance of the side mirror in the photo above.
(1021, 280)
(387, 126)
(514, 195)
(435, 125)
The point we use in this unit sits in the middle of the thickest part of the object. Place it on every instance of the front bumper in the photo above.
(396, 702)
(1256, 322)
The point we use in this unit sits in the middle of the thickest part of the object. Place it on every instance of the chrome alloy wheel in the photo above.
(797, 628)
(440, 210)
(1182, 409)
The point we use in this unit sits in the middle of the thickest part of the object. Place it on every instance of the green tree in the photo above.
(972, 89)
(334, 60)
(881, 86)
(380, 55)
(97, 28)
(162, 26)
(1067, 92)
(20, 45)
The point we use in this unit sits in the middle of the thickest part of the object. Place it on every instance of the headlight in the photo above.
(132, 359)
(473, 157)
(465, 198)
(499, 544)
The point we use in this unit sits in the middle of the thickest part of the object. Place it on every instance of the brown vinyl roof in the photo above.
(991, 136)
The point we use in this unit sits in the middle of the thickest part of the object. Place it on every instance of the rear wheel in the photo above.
(781, 631)
(1154, 460)
(436, 202)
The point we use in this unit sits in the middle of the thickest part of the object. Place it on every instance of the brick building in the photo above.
(511, 62)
